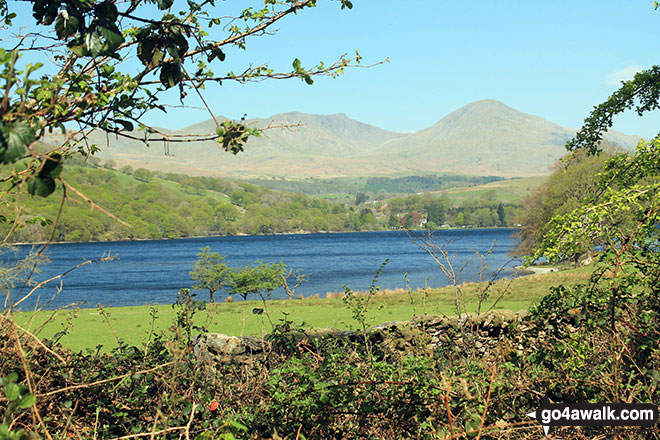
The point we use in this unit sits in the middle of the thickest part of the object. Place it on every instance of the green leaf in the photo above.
(13, 141)
(236, 425)
(170, 74)
(12, 391)
(41, 186)
(77, 49)
(148, 51)
(308, 79)
(296, 64)
(65, 24)
(112, 35)
(216, 53)
(164, 4)
(12, 377)
(106, 12)
(127, 125)
(27, 401)
(656, 375)
(52, 166)
(93, 44)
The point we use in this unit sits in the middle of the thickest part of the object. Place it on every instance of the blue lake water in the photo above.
(148, 272)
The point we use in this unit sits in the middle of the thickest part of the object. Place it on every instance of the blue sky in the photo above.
(552, 59)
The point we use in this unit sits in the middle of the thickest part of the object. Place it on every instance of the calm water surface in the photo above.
(148, 272)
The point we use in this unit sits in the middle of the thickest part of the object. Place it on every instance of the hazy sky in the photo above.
(553, 59)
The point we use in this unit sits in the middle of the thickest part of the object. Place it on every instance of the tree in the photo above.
(360, 198)
(501, 216)
(143, 175)
(436, 210)
(572, 183)
(256, 279)
(210, 272)
(459, 220)
(88, 86)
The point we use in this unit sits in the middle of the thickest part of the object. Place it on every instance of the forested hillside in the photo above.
(171, 205)
(157, 205)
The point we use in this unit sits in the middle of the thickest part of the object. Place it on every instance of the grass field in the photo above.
(88, 328)
(511, 190)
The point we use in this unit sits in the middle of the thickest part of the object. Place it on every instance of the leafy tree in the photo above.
(501, 215)
(483, 217)
(360, 198)
(256, 279)
(143, 174)
(572, 183)
(408, 221)
(210, 272)
(436, 210)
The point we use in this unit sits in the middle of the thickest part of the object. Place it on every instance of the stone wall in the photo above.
(479, 332)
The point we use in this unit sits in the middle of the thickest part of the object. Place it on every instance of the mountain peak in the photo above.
(484, 137)
(486, 106)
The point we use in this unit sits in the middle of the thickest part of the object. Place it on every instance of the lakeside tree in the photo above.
(210, 272)
(263, 277)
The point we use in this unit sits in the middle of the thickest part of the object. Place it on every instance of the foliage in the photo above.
(175, 206)
(331, 387)
(359, 304)
(440, 210)
(19, 398)
(616, 313)
(210, 272)
(256, 279)
(574, 182)
(186, 307)
(642, 93)
(171, 206)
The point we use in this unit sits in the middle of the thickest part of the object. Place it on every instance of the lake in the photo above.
(148, 272)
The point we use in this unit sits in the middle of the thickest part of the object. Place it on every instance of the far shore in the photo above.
(302, 232)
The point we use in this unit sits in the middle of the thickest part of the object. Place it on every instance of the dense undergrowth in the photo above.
(307, 387)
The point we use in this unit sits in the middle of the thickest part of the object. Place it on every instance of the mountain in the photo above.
(482, 138)
(490, 138)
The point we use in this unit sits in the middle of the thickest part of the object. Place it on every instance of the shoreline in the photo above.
(519, 273)
(41, 243)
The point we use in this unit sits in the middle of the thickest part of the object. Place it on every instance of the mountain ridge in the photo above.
(484, 137)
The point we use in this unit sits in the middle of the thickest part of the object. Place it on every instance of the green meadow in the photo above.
(81, 329)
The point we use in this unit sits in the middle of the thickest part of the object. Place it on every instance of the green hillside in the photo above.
(510, 190)
(167, 205)
(157, 205)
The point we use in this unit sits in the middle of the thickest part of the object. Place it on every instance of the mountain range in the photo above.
(482, 138)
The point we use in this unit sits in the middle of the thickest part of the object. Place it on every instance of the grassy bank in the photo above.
(88, 328)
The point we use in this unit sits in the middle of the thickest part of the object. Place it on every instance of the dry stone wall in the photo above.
(499, 330)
